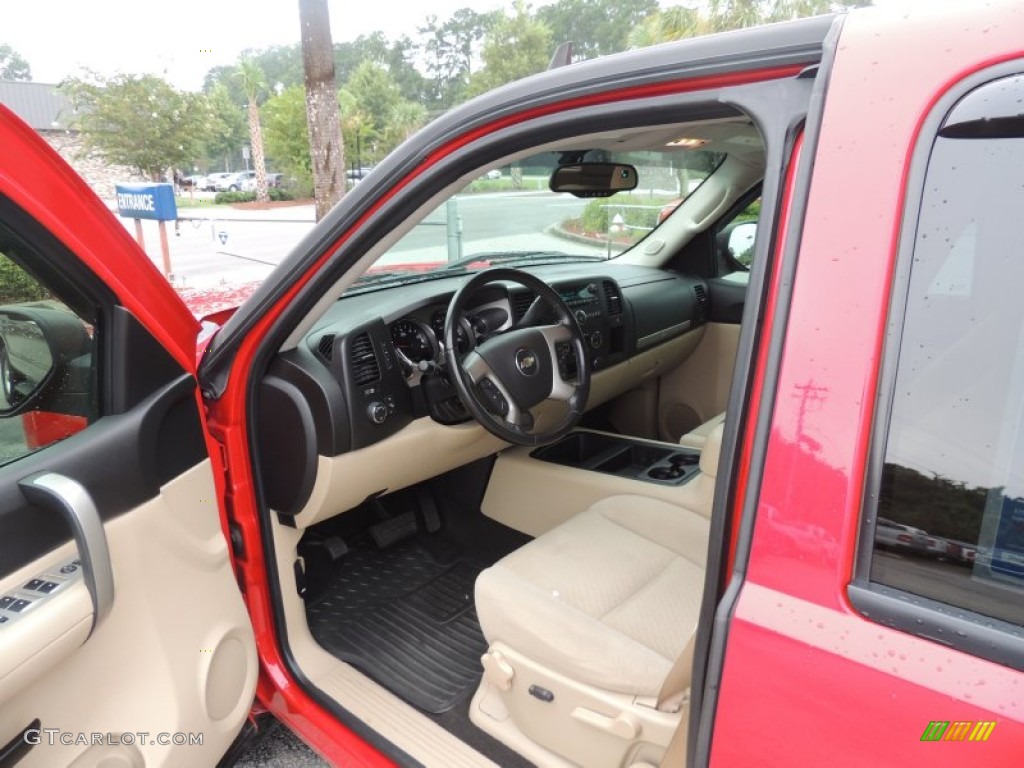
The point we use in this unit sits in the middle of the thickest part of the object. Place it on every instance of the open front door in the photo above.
(123, 636)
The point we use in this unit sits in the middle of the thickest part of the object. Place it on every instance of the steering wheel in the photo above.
(505, 378)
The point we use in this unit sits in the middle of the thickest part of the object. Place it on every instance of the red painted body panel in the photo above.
(806, 679)
(43, 427)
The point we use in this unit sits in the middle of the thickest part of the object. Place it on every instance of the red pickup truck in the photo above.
(554, 482)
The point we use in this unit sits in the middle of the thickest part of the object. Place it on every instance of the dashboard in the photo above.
(374, 363)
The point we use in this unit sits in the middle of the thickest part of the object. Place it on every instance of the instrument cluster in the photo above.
(419, 336)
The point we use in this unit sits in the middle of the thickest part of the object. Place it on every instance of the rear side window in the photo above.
(948, 524)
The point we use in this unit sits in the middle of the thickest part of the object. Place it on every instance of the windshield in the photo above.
(508, 216)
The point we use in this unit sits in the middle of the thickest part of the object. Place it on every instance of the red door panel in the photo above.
(806, 679)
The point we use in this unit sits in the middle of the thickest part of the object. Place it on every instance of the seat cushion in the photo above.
(609, 598)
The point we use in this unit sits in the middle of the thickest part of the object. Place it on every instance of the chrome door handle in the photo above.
(71, 499)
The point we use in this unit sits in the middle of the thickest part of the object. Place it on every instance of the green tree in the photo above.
(139, 121)
(516, 46)
(254, 84)
(357, 128)
(281, 64)
(595, 27)
(449, 49)
(12, 65)
(286, 136)
(326, 145)
(225, 127)
(405, 119)
(678, 22)
(375, 92)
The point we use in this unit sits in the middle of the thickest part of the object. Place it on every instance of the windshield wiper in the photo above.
(525, 257)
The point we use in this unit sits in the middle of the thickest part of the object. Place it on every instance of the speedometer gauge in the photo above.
(462, 331)
(412, 340)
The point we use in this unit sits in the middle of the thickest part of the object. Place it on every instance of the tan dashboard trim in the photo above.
(425, 448)
(422, 450)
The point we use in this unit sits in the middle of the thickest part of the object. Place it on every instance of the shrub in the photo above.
(234, 197)
(276, 194)
(17, 285)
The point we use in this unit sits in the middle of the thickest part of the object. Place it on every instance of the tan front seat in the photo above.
(583, 626)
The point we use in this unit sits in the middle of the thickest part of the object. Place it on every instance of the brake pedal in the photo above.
(387, 533)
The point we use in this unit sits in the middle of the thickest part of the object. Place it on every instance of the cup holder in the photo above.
(684, 459)
(616, 455)
(673, 472)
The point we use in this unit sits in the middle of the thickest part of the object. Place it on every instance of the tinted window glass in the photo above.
(951, 504)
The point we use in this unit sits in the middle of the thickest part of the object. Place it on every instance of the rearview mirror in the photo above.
(593, 179)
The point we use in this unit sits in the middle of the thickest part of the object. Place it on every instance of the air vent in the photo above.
(326, 346)
(702, 303)
(520, 303)
(363, 360)
(612, 298)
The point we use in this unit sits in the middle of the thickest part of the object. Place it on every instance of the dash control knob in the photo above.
(377, 412)
(596, 339)
(581, 317)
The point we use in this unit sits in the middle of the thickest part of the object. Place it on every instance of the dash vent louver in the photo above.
(363, 360)
(520, 303)
(325, 346)
(612, 298)
(702, 302)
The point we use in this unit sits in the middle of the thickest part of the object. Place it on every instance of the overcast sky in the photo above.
(184, 38)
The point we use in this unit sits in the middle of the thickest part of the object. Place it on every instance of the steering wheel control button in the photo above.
(497, 401)
(526, 361)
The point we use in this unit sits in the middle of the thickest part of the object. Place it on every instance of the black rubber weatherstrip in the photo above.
(406, 619)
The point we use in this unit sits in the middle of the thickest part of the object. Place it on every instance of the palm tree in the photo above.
(669, 24)
(254, 84)
(404, 119)
(326, 145)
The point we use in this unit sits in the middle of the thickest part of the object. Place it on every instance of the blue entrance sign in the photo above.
(146, 201)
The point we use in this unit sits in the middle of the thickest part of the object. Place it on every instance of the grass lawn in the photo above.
(189, 202)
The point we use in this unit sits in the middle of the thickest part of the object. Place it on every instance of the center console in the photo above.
(622, 456)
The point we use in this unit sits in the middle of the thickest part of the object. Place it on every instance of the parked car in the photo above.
(213, 179)
(460, 484)
(355, 175)
(249, 183)
(234, 182)
(905, 538)
(194, 182)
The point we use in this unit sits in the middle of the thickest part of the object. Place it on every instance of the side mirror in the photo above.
(38, 346)
(593, 179)
(741, 242)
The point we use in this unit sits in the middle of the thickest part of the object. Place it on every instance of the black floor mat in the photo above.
(405, 617)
